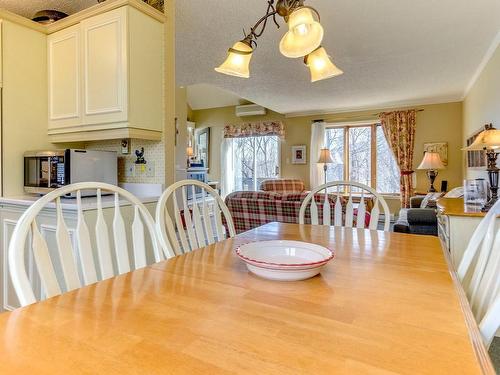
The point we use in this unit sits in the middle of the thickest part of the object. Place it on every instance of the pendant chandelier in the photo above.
(302, 40)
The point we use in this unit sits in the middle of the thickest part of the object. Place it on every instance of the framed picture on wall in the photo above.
(299, 154)
(440, 147)
(203, 145)
(475, 159)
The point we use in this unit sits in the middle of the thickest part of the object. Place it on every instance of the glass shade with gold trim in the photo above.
(304, 35)
(321, 66)
(488, 139)
(238, 61)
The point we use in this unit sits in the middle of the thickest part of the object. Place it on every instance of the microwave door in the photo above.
(93, 166)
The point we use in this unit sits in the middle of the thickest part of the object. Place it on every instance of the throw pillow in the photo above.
(430, 200)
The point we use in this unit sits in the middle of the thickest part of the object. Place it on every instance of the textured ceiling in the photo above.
(203, 96)
(393, 52)
(28, 8)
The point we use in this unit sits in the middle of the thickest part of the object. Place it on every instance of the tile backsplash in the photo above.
(154, 153)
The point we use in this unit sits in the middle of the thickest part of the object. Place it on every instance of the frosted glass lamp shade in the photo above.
(487, 140)
(325, 156)
(432, 161)
(304, 35)
(321, 66)
(238, 61)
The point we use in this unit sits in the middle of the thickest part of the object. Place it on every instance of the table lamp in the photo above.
(325, 158)
(431, 162)
(190, 154)
(489, 140)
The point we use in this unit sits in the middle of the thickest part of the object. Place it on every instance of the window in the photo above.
(255, 159)
(362, 154)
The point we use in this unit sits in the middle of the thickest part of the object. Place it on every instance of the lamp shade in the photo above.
(238, 61)
(487, 139)
(431, 161)
(304, 35)
(321, 66)
(190, 151)
(325, 156)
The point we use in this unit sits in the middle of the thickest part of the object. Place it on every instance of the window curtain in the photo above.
(255, 129)
(316, 177)
(399, 129)
(227, 170)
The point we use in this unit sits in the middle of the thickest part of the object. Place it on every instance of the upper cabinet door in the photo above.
(64, 78)
(105, 67)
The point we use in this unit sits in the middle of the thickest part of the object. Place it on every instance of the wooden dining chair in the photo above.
(479, 273)
(344, 218)
(78, 265)
(198, 211)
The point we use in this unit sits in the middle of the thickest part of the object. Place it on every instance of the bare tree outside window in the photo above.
(360, 155)
(356, 164)
(388, 175)
(255, 159)
(335, 142)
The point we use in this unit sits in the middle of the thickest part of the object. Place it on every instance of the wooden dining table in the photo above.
(388, 303)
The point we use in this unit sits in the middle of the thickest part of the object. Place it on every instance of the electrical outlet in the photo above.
(129, 169)
(140, 169)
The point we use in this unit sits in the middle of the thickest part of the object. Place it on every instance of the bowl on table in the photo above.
(284, 260)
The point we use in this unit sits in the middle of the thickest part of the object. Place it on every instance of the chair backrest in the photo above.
(81, 272)
(341, 218)
(479, 273)
(198, 211)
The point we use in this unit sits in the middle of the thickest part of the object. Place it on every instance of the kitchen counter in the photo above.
(146, 193)
(69, 204)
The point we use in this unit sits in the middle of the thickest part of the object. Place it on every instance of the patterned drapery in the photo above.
(399, 129)
(255, 129)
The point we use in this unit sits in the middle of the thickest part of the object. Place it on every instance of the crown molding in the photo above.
(486, 59)
(23, 21)
(379, 107)
(82, 15)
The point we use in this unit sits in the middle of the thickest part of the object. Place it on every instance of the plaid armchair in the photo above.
(251, 209)
(283, 185)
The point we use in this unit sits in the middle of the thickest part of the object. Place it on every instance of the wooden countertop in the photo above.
(456, 207)
(388, 303)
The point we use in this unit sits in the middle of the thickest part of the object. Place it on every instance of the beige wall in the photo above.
(437, 123)
(170, 87)
(182, 133)
(24, 101)
(482, 106)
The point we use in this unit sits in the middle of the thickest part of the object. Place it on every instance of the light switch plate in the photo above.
(150, 169)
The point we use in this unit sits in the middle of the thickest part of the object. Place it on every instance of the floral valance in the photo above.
(255, 129)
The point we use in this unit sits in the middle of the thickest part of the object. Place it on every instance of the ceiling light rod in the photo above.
(303, 39)
(283, 8)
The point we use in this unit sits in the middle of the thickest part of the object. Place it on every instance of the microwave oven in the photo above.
(45, 171)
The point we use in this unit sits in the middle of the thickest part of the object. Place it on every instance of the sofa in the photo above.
(279, 200)
(416, 220)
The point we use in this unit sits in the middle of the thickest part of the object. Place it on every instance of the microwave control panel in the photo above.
(57, 171)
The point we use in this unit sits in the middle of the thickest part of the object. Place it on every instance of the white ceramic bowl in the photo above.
(284, 260)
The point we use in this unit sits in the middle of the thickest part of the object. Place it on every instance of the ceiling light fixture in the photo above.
(303, 39)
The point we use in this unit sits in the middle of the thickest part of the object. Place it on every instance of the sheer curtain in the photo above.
(226, 168)
(316, 177)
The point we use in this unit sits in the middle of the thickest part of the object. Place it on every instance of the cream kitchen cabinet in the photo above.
(106, 78)
(64, 78)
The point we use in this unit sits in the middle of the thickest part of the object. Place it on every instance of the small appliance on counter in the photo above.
(45, 171)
